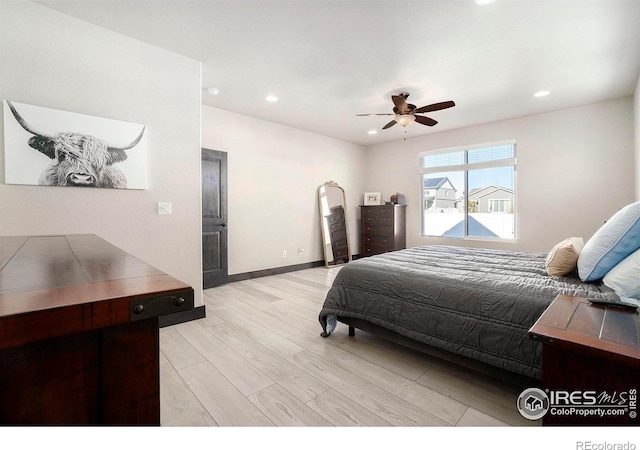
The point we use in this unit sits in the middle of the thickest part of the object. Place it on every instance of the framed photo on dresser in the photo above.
(371, 198)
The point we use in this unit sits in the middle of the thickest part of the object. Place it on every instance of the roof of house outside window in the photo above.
(437, 183)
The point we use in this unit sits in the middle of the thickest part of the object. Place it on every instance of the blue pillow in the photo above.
(613, 242)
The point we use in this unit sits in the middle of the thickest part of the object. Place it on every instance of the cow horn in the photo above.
(127, 147)
(21, 121)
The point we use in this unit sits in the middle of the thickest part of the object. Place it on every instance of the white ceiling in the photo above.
(330, 60)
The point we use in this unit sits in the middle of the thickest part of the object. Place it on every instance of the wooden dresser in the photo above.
(338, 235)
(383, 228)
(79, 339)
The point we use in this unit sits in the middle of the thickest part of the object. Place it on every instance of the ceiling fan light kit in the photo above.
(405, 119)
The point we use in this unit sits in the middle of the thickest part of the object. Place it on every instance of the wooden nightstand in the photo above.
(589, 350)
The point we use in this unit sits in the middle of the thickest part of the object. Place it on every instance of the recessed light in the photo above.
(541, 94)
(271, 98)
(372, 132)
(483, 2)
(213, 91)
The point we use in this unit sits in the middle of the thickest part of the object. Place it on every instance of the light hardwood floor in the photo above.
(257, 359)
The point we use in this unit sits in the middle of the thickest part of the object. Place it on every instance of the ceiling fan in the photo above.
(405, 113)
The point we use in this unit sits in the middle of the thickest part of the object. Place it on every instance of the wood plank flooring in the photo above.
(257, 359)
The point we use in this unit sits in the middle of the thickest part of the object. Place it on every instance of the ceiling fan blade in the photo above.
(400, 102)
(389, 125)
(426, 120)
(435, 107)
(376, 114)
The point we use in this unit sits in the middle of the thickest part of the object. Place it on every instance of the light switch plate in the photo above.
(164, 208)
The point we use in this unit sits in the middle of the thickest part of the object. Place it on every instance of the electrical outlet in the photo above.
(300, 250)
(284, 253)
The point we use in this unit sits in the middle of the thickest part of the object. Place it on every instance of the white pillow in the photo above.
(563, 258)
(625, 277)
(613, 242)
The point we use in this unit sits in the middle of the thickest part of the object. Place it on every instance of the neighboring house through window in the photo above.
(439, 193)
(469, 191)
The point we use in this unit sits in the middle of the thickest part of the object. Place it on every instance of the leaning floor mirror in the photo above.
(334, 224)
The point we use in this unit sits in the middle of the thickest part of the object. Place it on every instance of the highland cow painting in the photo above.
(44, 146)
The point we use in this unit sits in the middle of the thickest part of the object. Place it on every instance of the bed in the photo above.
(474, 305)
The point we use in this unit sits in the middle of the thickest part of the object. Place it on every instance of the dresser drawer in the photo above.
(377, 240)
(339, 236)
(377, 211)
(379, 230)
(378, 220)
(336, 226)
(340, 252)
(339, 241)
(375, 249)
(335, 218)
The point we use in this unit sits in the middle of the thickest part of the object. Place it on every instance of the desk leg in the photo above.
(564, 370)
(52, 382)
(108, 376)
(130, 374)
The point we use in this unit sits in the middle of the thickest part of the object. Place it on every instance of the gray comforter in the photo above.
(477, 303)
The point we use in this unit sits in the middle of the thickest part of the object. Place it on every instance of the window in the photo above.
(502, 205)
(469, 192)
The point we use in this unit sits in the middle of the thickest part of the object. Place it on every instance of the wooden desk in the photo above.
(589, 348)
(79, 339)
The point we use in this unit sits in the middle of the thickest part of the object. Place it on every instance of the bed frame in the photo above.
(512, 378)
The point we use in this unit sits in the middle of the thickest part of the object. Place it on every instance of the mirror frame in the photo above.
(333, 184)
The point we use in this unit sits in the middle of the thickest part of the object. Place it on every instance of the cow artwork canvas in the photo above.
(49, 147)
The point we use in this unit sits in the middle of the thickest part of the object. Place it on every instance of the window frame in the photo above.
(465, 168)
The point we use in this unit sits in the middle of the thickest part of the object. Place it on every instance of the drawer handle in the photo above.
(177, 301)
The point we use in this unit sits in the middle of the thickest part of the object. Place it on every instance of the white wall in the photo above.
(274, 174)
(52, 60)
(575, 168)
